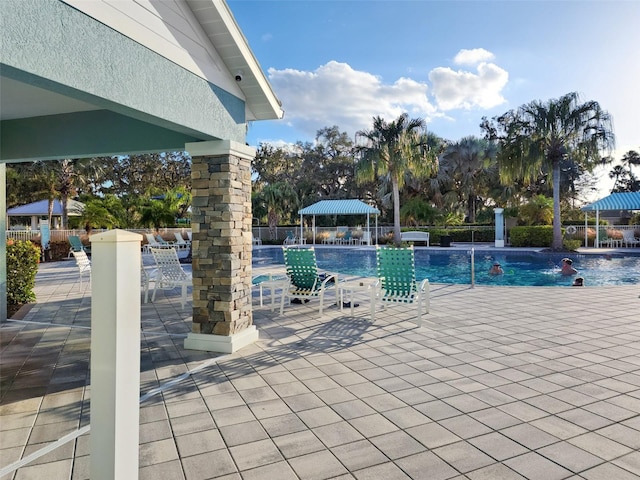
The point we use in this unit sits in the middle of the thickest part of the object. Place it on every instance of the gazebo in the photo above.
(615, 201)
(338, 207)
(40, 208)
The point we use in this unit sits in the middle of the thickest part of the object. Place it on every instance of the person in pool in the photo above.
(496, 269)
(567, 267)
(578, 282)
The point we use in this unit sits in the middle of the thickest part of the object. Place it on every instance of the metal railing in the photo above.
(262, 232)
(62, 235)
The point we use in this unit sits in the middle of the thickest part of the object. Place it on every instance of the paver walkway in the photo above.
(499, 383)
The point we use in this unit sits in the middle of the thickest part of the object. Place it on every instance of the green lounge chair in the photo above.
(347, 238)
(76, 245)
(397, 280)
(304, 281)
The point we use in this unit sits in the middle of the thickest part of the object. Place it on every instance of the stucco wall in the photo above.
(48, 43)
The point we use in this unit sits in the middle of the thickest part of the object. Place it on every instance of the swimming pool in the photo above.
(454, 266)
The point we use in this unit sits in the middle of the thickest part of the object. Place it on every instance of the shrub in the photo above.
(58, 251)
(572, 245)
(22, 266)
(322, 236)
(534, 236)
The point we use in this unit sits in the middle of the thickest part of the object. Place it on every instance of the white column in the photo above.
(499, 226)
(115, 354)
(3, 241)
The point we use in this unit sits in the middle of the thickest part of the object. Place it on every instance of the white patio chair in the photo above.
(84, 265)
(170, 273)
(149, 276)
(290, 239)
(331, 239)
(629, 238)
(256, 240)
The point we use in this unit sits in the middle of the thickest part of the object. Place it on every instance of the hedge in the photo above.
(535, 236)
(22, 265)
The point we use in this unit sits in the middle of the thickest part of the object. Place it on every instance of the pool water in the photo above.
(454, 266)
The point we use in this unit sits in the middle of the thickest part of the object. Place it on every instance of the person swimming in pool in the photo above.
(496, 269)
(567, 267)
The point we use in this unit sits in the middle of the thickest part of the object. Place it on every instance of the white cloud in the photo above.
(462, 89)
(336, 94)
(473, 57)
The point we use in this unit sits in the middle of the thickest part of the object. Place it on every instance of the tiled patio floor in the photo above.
(499, 383)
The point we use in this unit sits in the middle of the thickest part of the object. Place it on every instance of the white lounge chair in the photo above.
(83, 263)
(180, 242)
(170, 273)
(152, 242)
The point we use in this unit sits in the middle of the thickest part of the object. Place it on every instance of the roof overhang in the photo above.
(223, 31)
(25, 99)
(41, 208)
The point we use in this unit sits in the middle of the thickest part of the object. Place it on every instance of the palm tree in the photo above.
(43, 175)
(631, 158)
(539, 135)
(537, 211)
(619, 176)
(467, 163)
(157, 214)
(280, 198)
(65, 187)
(394, 151)
(96, 215)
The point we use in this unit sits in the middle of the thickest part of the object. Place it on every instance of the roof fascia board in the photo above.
(247, 54)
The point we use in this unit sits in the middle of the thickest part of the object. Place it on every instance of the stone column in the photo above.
(221, 231)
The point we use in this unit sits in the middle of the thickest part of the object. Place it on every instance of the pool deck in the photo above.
(499, 383)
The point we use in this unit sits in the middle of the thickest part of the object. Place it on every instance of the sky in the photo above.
(449, 62)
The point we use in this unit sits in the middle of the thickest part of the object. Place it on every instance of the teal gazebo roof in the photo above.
(615, 201)
(339, 207)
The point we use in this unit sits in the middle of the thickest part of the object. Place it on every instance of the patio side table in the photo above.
(273, 284)
(353, 287)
